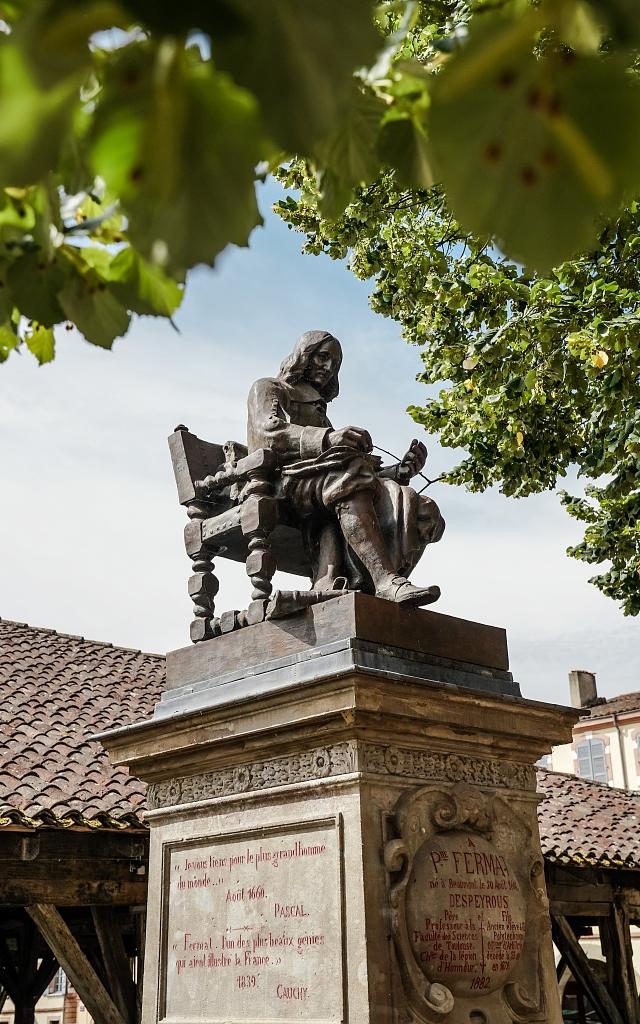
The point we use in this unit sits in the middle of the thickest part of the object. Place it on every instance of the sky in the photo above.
(91, 530)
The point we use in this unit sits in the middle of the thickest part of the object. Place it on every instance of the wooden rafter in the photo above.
(116, 961)
(578, 963)
(69, 955)
(615, 937)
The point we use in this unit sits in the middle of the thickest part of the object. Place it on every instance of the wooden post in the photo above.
(582, 1015)
(140, 919)
(21, 977)
(24, 1010)
(615, 937)
(84, 979)
(8, 975)
(116, 961)
(576, 958)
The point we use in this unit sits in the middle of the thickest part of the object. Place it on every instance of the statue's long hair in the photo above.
(294, 367)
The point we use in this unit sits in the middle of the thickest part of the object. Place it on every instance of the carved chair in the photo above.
(230, 500)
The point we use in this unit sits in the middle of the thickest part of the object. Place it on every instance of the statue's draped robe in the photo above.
(291, 420)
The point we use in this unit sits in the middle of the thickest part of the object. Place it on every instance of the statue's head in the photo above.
(316, 359)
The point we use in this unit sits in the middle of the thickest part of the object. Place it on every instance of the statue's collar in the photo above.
(303, 392)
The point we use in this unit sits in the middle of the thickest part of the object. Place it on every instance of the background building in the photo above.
(606, 741)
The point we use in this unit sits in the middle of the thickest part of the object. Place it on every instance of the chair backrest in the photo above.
(192, 460)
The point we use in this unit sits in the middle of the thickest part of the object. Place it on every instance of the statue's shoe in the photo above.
(399, 589)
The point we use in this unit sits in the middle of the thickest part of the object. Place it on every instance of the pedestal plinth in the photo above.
(343, 825)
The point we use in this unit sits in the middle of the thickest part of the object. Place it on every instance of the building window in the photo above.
(592, 760)
(58, 985)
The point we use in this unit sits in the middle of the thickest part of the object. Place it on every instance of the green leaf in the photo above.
(298, 58)
(35, 284)
(56, 35)
(350, 156)
(334, 195)
(141, 287)
(350, 153)
(533, 151)
(179, 145)
(17, 215)
(404, 147)
(41, 343)
(34, 120)
(8, 341)
(90, 305)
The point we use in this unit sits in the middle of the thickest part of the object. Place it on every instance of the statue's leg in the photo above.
(362, 533)
(328, 565)
(361, 530)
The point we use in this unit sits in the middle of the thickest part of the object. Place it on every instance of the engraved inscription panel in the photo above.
(466, 913)
(253, 927)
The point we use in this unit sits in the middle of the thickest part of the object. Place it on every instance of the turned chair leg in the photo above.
(257, 520)
(203, 583)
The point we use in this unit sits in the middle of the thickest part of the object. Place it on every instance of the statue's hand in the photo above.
(414, 460)
(351, 437)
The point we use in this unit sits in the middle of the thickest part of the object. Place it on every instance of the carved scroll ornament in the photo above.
(464, 911)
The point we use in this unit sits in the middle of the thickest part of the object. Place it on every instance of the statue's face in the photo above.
(322, 364)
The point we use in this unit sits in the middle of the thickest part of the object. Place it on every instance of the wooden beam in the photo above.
(73, 868)
(590, 911)
(560, 968)
(116, 961)
(615, 938)
(68, 844)
(576, 958)
(71, 892)
(582, 895)
(75, 964)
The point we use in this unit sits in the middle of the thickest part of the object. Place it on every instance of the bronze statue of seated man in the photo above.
(364, 528)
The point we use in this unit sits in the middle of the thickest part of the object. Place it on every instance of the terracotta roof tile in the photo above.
(56, 692)
(587, 822)
(620, 705)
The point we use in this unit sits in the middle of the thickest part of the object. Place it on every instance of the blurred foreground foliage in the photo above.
(133, 133)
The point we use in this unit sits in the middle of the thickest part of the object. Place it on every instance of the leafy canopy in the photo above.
(537, 357)
(133, 132)
(537, 373)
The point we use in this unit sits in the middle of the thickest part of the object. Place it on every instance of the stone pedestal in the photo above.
(343, 825)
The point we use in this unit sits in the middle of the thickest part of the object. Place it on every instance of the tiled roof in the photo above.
(56, 692)
(585, 822)
(621, 705)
